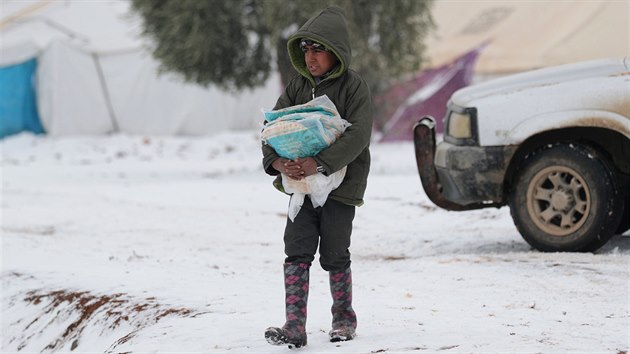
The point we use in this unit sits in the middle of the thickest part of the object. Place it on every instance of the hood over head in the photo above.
(328, 28)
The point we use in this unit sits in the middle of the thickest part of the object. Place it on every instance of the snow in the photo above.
(139, 244)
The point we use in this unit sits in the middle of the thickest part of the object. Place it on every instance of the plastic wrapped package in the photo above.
(303, 131)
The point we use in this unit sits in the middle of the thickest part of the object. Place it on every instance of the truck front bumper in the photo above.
(460, 177)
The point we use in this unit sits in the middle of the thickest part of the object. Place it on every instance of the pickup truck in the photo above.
(552, 143)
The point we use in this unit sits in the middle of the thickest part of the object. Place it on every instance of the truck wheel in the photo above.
(565, 198)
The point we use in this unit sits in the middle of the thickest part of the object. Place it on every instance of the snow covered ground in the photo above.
(131, 244)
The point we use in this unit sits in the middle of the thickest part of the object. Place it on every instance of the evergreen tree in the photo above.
(229, 43)
(208, 41)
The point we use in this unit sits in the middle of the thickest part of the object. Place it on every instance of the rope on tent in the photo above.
(24, 12)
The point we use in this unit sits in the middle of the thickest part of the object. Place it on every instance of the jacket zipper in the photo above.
(313, 92)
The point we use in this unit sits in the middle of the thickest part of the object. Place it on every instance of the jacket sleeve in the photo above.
(269, 154)
(357, 136)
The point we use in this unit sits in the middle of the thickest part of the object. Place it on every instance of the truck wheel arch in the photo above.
(613, 144)
(557, 121)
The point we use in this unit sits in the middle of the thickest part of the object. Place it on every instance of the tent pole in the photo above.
(108, 101)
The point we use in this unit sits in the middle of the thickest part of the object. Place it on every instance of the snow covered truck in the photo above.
(553, 144)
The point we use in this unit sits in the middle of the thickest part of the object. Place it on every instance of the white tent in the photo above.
(95, 76)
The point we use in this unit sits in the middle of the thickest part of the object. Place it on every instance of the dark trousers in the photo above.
(330, 226)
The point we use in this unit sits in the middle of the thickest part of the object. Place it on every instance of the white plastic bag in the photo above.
(317, 186)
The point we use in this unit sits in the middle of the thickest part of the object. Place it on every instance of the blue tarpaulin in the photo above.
(18, 108)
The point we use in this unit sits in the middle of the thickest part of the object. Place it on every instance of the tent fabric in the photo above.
(528, 34)
(516, 35)
(144, 102)
(18, 53)
(102, 26)
(427, 93)
(18, 111)
(95, 75)
(70, 96)
(89, 93)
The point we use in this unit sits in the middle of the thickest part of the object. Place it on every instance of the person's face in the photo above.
(318, 61)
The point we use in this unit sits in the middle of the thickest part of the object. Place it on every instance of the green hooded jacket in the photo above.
(349, 93)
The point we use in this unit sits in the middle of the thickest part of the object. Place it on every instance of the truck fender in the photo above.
(567, 119)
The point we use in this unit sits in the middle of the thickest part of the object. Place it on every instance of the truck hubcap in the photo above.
(562, 200)
(558, 200)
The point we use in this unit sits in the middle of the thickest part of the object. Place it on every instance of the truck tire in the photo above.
(624, 224)
(565, 198)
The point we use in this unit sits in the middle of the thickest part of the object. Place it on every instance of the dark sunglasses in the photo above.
(317, 47)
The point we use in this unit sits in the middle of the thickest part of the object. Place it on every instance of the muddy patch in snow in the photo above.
(53, 320)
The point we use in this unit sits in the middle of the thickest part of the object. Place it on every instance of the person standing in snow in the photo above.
(320, 52)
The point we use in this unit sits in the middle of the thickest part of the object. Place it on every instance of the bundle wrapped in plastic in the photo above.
(303, 131)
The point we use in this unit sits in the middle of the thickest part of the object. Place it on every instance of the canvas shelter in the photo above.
(528, 34)
(91, 73)
(425, 94)
(508, 36)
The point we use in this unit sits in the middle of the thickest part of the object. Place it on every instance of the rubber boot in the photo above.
(344, 322)
(293, 333)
